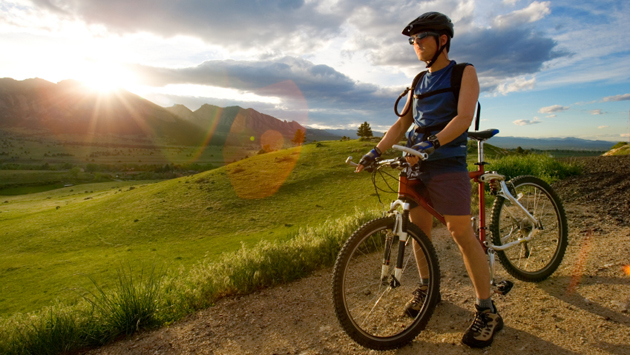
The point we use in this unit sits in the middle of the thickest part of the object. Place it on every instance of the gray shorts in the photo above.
(446, 187)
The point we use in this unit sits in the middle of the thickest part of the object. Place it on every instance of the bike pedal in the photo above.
(504, 287)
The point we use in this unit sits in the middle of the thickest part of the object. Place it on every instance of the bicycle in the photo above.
(529, 234)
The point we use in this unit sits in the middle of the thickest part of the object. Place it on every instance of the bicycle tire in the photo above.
(369, 312)
(537, 259)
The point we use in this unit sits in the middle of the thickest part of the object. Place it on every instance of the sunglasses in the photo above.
(420, 36)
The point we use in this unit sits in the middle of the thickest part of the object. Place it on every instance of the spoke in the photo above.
(536, 199)
(508, 236)
(375, 304)
(530, 255)
(361, 306)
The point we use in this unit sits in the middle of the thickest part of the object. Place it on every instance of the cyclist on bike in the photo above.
(441, 126)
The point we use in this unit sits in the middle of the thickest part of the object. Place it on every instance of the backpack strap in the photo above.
(415, 82)
(456, 84)
(456, 78)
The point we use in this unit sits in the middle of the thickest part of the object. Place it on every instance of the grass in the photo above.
(141, 303)
(51, 237)
(540, 165)
(28, 149)
(621, 148)
(262, 221)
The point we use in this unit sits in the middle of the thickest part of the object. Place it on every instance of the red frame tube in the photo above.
(406, 191)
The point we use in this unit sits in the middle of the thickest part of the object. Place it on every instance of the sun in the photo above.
(106, 78)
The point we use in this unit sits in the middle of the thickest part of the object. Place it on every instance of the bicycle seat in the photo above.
(483, 135)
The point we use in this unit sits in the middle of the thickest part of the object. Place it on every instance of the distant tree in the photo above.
(364, 131)
(299, 137)
(520, 151)
(75, 171)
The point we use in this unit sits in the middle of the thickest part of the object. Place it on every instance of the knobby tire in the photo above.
(369, 312)
(537, 259)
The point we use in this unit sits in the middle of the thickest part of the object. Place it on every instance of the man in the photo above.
(441, 125)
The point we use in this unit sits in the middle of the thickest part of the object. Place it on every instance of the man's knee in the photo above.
(461, 229)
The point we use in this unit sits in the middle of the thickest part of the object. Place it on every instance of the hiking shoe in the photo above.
(483, 328)
(413, 307)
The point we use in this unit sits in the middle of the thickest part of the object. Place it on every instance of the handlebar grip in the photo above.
(350, 162)
(421, 155)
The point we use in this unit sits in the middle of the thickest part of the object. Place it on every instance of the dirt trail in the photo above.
(581, 309)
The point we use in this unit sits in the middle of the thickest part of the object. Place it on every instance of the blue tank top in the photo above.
(438, 109)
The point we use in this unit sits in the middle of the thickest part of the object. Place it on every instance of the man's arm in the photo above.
(468, 96)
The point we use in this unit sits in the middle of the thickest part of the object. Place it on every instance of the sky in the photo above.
(546, 68)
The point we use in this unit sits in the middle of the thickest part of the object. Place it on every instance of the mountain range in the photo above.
(569, 143)
(70, 108)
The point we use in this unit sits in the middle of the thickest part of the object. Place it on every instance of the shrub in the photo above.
(160, 298)
(542, 166)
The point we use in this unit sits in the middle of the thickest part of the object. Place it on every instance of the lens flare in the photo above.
(263, 177)
(580, 264)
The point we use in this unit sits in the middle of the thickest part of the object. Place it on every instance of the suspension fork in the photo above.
(400, 229)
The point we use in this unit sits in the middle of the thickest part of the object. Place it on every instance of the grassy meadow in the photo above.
(55, 241)
(265, 219)
(52, 240)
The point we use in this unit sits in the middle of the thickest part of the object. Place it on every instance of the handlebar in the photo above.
(350, 162)
(421, 155)
(397, 162)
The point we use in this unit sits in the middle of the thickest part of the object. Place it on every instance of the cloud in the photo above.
(320, 83)
(331, 95)
(624, 97)
(602, 127)
(276, 28)
(527, 122)
(554, 108)
(517, 84)
(505, 53)
(534, 12)
(499, 54)
(551, 116)
(596, 112)
(241, 24)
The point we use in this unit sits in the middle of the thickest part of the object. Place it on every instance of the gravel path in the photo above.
(581, 309)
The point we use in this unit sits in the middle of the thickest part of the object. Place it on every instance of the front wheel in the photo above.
(369, 300)
(538, 258)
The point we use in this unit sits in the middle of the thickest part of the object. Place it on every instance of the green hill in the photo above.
(621, 148)
(51, 240)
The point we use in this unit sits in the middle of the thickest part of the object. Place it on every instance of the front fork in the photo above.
(400, 229)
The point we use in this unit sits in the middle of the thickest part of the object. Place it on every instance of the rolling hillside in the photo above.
(52, 238)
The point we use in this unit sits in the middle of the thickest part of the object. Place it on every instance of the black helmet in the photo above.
(430, 21)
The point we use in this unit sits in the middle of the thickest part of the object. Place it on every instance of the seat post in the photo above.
(480, 151)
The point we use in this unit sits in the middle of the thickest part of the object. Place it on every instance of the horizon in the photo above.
(326, 128)
(546, 68)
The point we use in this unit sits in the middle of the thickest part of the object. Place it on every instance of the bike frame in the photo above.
(406, 192)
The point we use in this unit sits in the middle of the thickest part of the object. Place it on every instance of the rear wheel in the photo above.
(538, 258)
(371, 309)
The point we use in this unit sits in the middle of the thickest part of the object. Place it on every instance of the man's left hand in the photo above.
(425, 147)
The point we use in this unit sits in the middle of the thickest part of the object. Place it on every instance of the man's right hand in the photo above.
(368, 159)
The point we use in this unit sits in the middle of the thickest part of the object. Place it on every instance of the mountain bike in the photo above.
(376, 271)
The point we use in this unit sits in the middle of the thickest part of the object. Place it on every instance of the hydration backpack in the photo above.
(456, 83)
